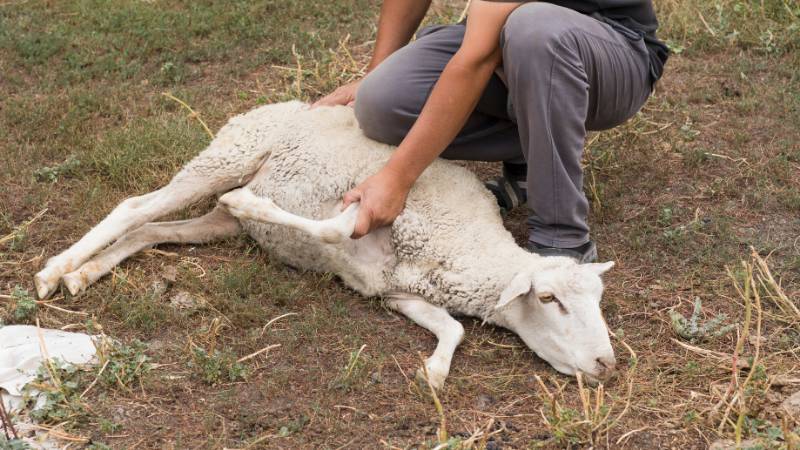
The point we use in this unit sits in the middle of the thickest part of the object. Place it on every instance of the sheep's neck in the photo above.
(499, 267)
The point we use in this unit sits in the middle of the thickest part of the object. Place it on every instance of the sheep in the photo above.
(282, 170)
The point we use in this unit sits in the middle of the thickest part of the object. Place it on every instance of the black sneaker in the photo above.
(586, 253)
(509, 189)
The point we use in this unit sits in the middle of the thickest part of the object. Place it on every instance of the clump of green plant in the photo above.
(23, 305)
(13, 444)
(121, 364)
(51, 174)
(17, 239)
(55, 393)
(565, 424)
(217, 366)
(767, 27)
(19, 234)
(355, 369)
(241, 282)
(693, 331)
(294, 426)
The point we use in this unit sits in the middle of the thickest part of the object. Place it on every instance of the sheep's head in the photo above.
(556, 312)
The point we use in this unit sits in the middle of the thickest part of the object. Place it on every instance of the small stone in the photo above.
(159, 287)
(730, 444)
(119, 415)
(170, 273)
(792, 405)
(784, 380)
(184, 300)
(493, 445)
(484, 401)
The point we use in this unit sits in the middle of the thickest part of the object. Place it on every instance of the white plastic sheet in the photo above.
(20, 352)
(21, 355)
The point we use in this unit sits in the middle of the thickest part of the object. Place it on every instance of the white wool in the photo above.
(448, 246)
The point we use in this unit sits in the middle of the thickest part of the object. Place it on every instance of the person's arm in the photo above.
(454, 97)
(398, 21)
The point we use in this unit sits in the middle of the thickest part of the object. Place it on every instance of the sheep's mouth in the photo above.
(589, 379)
(593, 379)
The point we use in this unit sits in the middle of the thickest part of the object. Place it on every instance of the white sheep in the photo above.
(448, 252)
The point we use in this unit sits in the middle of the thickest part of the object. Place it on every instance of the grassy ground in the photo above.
(708, 169)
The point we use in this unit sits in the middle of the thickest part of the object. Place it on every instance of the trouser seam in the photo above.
(552, 150)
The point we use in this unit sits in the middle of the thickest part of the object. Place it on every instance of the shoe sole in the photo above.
(589, 256)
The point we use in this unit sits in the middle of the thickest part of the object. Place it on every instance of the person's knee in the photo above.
(535, 29)
(378, 108)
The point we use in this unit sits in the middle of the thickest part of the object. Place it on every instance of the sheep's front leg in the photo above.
(438, 321)
(245, 205)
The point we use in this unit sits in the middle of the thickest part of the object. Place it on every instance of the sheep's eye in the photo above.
(546, 297)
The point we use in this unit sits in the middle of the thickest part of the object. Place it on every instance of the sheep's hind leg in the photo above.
(216, 225)
(183, 190)
(243, 204)
(438, 321)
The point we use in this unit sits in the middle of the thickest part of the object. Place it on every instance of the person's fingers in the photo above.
(332, 99)
(351, 196)
(324, 101)
(343, 95)
(352, 103)
(318, 102)
(363, 223)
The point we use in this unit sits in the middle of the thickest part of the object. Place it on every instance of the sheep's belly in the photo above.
(364, 265)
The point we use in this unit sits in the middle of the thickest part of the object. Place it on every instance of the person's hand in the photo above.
(382, 198)
(343, 95)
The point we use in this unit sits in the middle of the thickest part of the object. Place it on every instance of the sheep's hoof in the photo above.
(433, 380)
(46, 282)
(75, 282)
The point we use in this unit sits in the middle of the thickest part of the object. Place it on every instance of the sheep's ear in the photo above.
(520, 285)
(599, 268)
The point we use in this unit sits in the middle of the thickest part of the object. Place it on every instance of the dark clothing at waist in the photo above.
(636, 19)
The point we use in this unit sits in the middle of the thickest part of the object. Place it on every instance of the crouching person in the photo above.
(518, 82)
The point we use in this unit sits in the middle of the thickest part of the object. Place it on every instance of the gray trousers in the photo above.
(563, 73)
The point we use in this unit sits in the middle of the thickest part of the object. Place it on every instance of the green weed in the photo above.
(51, 174)
(693, 331)
(294, 426)
(790, 199)
(239, 283)
(136, 158)
(13, 444)
(354, 370)
(771, 27)
(60, 384)
(217, 367)
(124, 364)
(23, 305)
(144, 312)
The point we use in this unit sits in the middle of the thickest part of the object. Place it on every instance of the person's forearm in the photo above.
(398, 21)
(452, 100)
